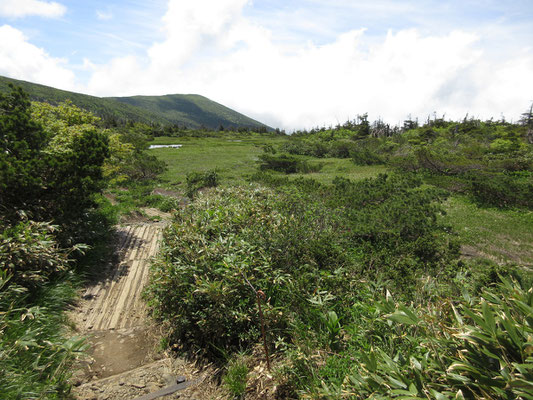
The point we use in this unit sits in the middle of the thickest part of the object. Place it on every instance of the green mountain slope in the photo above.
(189, 109)
(194, 111)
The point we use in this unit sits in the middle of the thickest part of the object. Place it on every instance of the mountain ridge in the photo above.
(190, 110)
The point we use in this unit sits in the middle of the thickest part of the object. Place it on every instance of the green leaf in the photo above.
(396, 383)
(489, 317)
(521, 383)
(526, 309)
(489, 353)
(459, 378)
(413, 389)
(402, 318)
(509, 325)
(457, 315)
(476, 318)
(466, 295)
(410, 313)
(370, 361)
(525, 395)
(415, 363)
(524, 369)
(438, 396)
(462, 367)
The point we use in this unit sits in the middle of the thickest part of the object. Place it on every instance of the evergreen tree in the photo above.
(46, 183)
(21, 158)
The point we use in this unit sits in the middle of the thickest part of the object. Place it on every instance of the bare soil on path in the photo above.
(124, 360)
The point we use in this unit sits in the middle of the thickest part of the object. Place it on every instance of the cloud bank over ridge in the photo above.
(215, 48)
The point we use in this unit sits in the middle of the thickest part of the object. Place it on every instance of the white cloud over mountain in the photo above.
(20, 59)
(215, 49)
(224, 55)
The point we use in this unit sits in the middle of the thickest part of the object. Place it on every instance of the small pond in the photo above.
(161, 146)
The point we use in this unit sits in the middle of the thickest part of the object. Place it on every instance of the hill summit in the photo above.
(190, 110)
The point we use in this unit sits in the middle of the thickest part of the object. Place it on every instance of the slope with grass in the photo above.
(193, 111)
(190, 109)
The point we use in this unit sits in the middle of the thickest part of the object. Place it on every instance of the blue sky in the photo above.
(291, 64)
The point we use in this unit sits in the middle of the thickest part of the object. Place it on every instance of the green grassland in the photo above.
(499, 235)
(235, 158)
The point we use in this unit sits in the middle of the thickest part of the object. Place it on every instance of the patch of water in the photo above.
(161, 146)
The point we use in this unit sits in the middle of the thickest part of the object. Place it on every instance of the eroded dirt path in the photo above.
(124, 361)
(115, 302)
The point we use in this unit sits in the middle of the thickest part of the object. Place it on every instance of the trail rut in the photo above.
(115, 303)
(123, 361)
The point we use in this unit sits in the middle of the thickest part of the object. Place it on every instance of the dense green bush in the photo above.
(279, 162)
(51, 172)
(502, 190)
(22, 160)
(301, 240)
(286, 163)
(30, 254)
(393, 222)
(213, 247)
(365, 156)
(199, 180)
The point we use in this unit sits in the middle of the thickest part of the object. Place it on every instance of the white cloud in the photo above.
(212, 49)
(24, 8)
(20, 59)
(193, 26)
(104, 16)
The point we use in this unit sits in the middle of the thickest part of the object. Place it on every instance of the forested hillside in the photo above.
(190, 111)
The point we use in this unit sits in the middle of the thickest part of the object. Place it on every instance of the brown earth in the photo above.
(124, 360)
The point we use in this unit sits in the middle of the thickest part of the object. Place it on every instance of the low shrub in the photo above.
(224, 240)
(365, 156)
(502, 190)
(287, 164)
(199, 180)
(394, 224)
(294, 243)
(30, 254)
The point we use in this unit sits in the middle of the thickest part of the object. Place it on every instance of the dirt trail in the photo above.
(123, 361)
(115, 303)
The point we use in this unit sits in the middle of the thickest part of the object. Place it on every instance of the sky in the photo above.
(292, 64)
